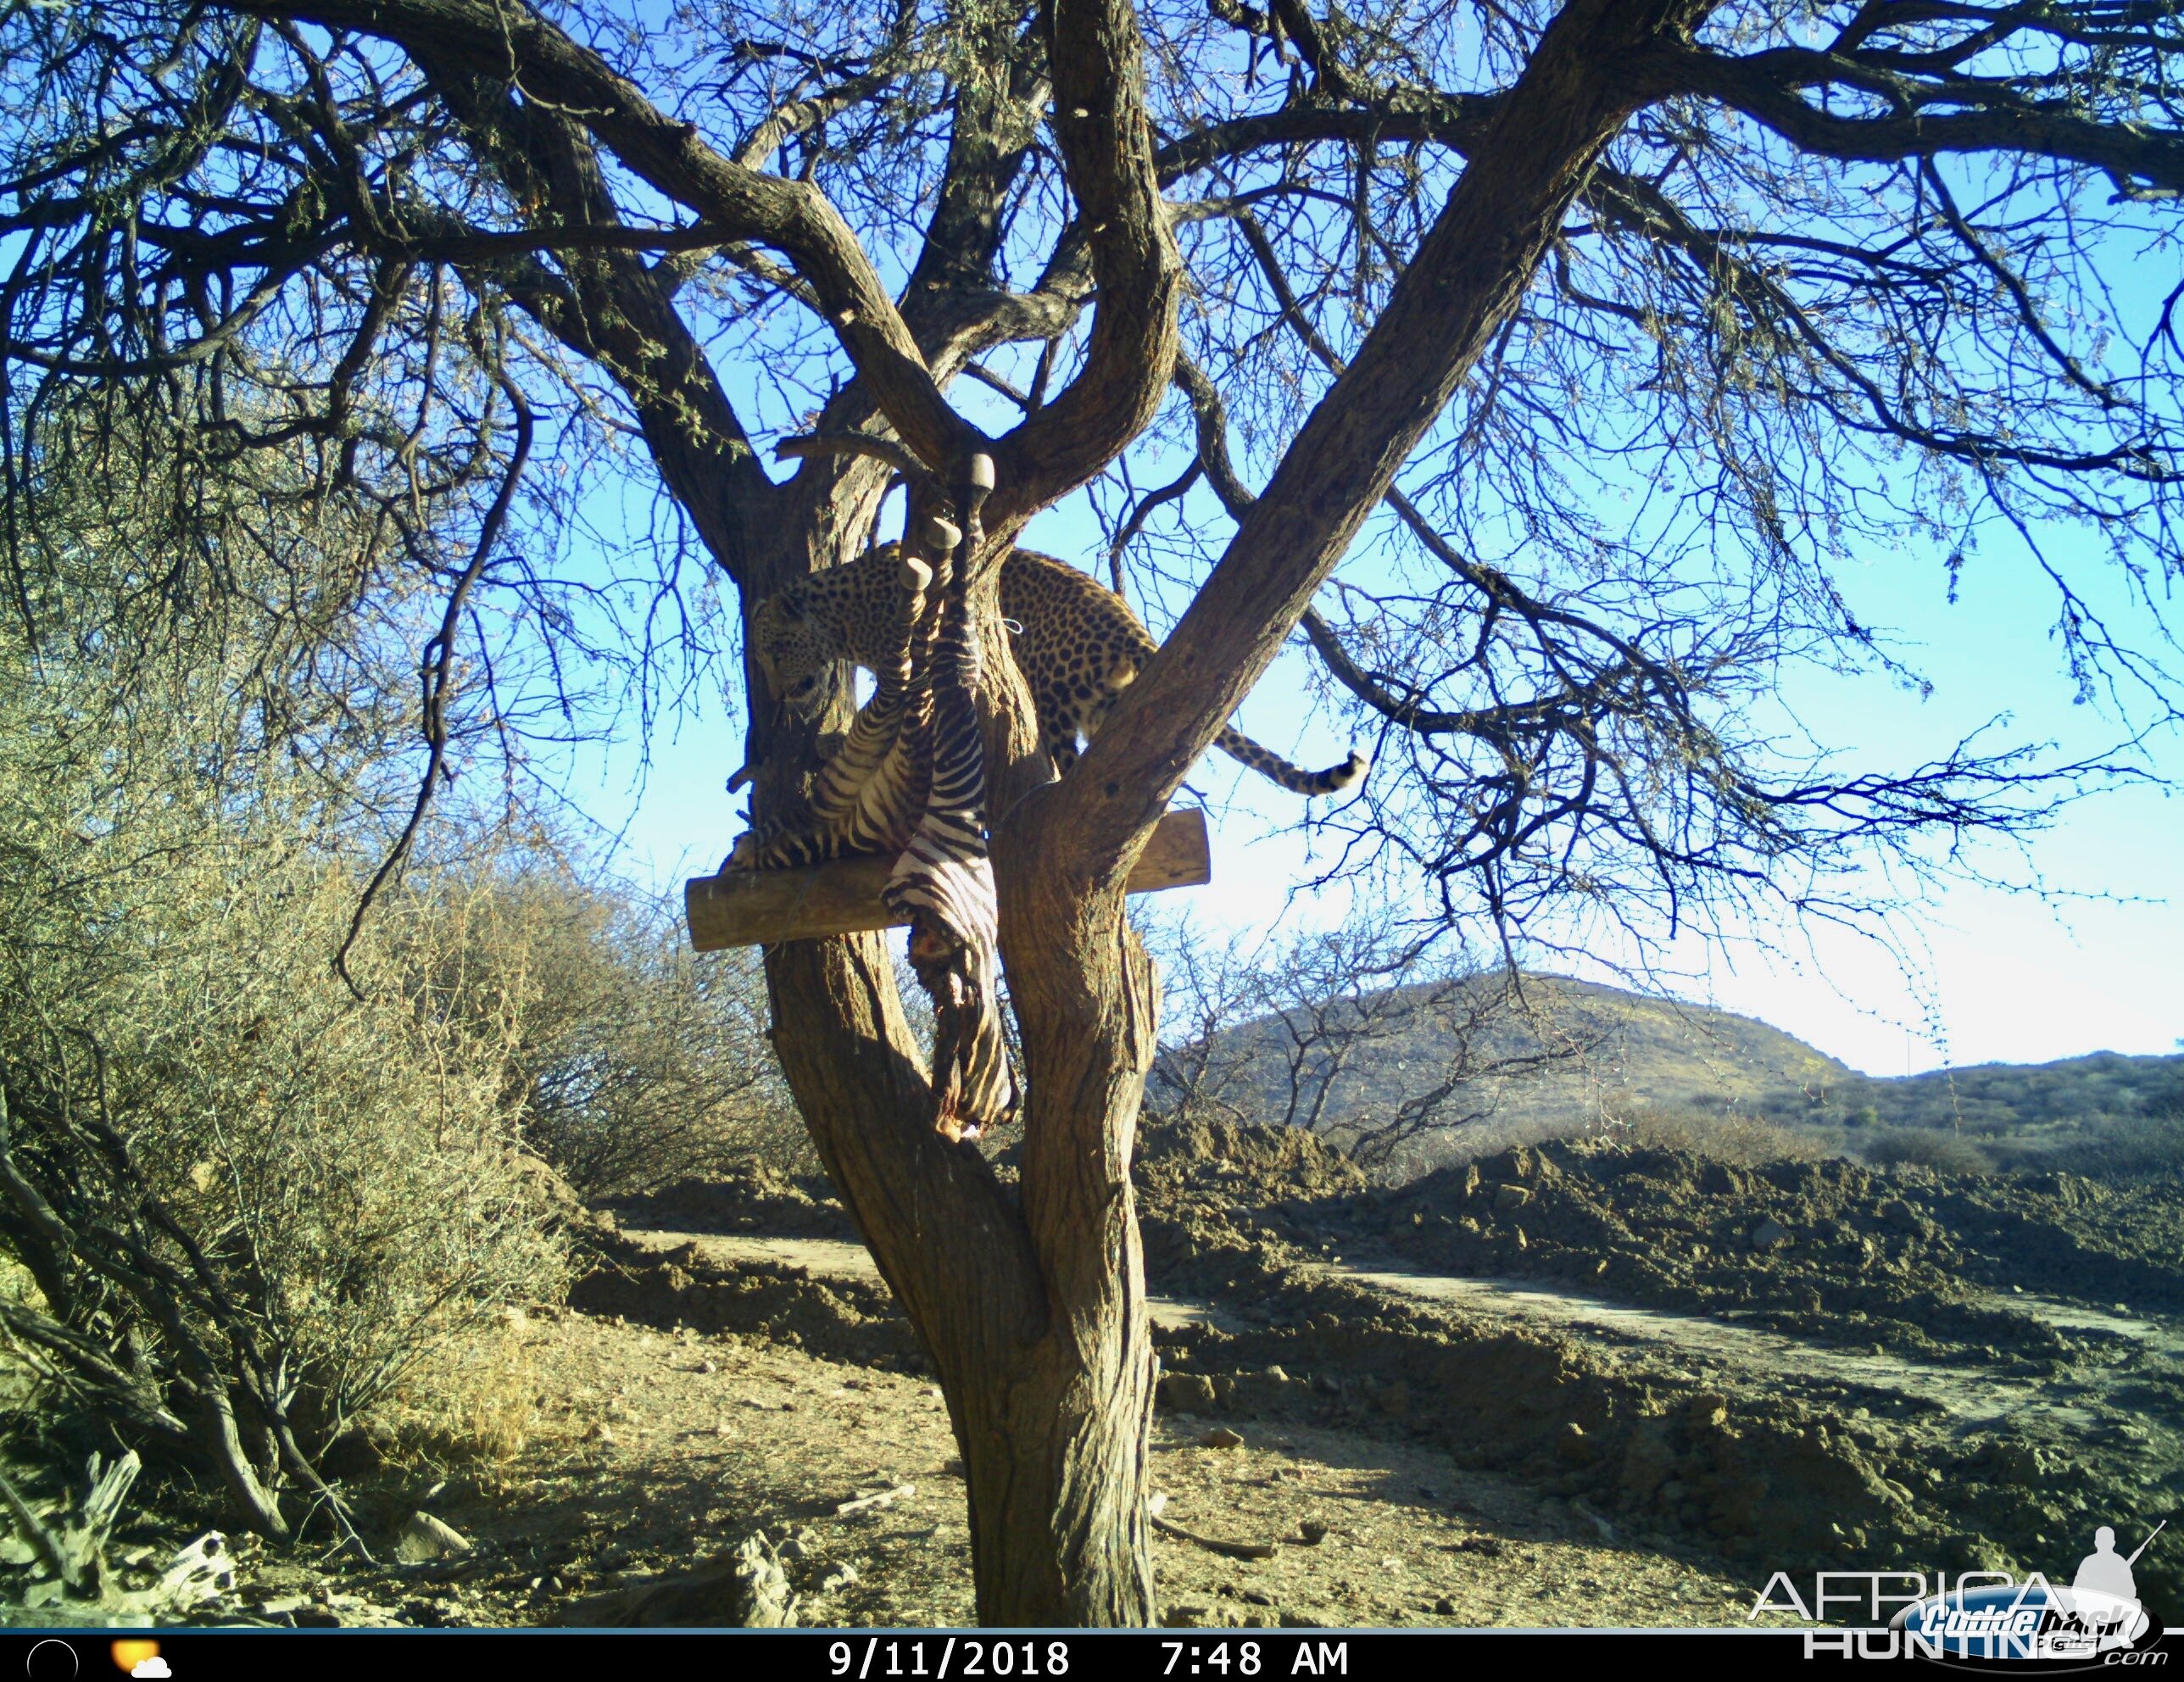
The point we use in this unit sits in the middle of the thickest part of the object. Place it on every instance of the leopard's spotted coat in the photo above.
(1079, 647)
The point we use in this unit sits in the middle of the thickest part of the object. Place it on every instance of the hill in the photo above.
(1660, 1066)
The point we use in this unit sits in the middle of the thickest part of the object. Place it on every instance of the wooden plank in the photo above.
(760, 907)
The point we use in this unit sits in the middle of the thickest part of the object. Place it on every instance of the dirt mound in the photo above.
(1914, 1280)
(1272, 1162)
(1217, 1203)
(759, 1200)
(1905, 1261)
(840, 1319)
(1809, 1371)
(1750, 1473)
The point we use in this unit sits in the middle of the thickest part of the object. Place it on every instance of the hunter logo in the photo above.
(1988, 1618)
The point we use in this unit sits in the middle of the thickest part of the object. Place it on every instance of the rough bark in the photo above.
(1030, 1302)
(1032, 1305)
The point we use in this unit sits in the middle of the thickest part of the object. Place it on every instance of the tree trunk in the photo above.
(1030, 1301)
(1088, 1009)
(1033, 1306)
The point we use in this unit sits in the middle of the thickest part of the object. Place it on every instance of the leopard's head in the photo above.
(792, 645)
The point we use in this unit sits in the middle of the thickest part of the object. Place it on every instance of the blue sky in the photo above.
(1998, 975)
(1977, 973)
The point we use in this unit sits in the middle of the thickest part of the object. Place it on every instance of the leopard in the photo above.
(1077, 642)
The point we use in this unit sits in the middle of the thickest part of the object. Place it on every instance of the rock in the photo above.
(1900, 1215)
(424, 1538)
(1573, 1447)
(1648, 1457)
(1187, 1393)
(1706, 1410)
(1222, 1437)
(1278, 1375)
(1512, 1196)
(838, 1580)
(744, 1590)
(1187, 1618)
(1258, 1597)
(2013, 1462)
(1770, 1235)
(1311, 1532)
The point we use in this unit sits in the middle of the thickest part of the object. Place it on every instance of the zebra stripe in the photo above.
(943, 882)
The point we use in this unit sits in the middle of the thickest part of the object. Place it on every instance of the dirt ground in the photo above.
(1564, 1387)
(655, 1448)
(1809, 1361)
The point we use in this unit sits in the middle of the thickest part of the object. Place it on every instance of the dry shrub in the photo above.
(252, 1166)
(475, 1402)
(1944, 1151)
(638, 1062)
(252, 1197)
(1727, 1136)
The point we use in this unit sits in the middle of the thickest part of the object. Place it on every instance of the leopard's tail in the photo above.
(1294, 778)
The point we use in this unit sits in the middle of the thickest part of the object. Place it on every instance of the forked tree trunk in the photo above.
(1032, 1311)
(1032, 1305)
(1029, 1300)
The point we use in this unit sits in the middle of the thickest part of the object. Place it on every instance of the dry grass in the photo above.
(476, 1402)
(1729, 1136)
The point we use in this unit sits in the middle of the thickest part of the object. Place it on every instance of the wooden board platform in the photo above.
(759, 907)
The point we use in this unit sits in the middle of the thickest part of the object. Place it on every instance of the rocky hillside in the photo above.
(1639, 1056)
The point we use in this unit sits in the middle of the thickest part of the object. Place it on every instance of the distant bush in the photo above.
(249, 1197)
(1727, 1136)
(637, 1063)
(1944, 1152)
(2132, 1148)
